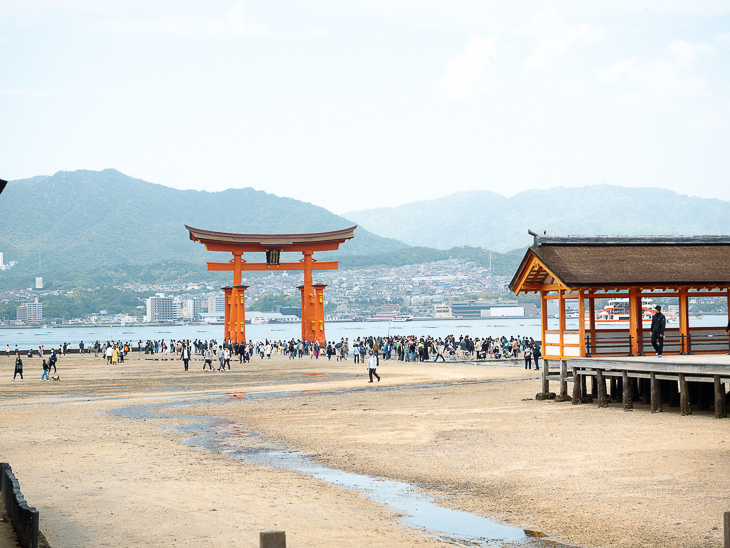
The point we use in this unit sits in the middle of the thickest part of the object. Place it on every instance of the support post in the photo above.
(241, 299)
(614, 389)
(684, 401)
(635, 312)
(628, 396)
(582, 322)
(684, 317)
(545, 380)
(602, 396)
(720, 405)
(308, 304)
(319, 314)
(727, 529)
(577, 396)
(563, 396)
(272, 539)
(227, 306)
(656, 394)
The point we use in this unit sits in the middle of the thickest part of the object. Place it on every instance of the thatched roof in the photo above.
(647, 261)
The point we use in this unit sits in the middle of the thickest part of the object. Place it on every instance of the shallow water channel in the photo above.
(416, 508)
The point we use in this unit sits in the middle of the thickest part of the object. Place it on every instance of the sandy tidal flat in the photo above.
(469, 435)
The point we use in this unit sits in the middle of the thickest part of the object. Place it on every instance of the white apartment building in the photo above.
(217, 304)
(160, 309)
(30, 313)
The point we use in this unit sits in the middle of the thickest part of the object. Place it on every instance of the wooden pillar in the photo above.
(233, 329)
(237, 263)
(563, 396)
(241, 316)
(594, 386)
(720, 405)
(301, 293)
(577, 396)
(543, 319)
(684, 400)
(727, 529)
(309, 311)
(628, 395)
(226, 311)
(635, 312)
(561, 321)
(602, 396)
(684, 318)
(614, 389)
(319, 314)
(545, 380)
(582, 323)
(656, 394)
(272, 539)
(592, 320)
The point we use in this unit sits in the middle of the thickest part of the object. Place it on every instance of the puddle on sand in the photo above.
(417, 509)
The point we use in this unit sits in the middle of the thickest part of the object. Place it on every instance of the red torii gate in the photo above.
(273, 245)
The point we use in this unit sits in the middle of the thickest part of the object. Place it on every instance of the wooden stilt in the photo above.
(684, 401)
(614, 389)
(602, 395)
(594, 387)
(563, 396)
(545, 380)
(720, 405)
(576, 387)
(628, 396)
(583, 386)
(656, 394)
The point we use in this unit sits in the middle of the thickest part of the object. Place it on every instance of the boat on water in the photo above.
(259, 320)
(616, 313)
(402, 318)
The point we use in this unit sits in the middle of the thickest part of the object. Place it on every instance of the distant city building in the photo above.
(39, 282)
(160, 309)
(4, 266)
(217, 305)
(189, 309)
(30, 313)
(442, 311)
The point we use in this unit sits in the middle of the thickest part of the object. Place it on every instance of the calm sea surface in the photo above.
(495, 327)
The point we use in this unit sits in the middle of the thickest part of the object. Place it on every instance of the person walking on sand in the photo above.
(658, 323)
(208, 359)
(372, 367)
(185, 355)
(46, 369)
(536, 353)
(18, 367)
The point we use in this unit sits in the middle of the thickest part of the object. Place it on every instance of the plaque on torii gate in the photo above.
(312, 295)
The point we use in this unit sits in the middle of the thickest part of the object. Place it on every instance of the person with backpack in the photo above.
(536, 356)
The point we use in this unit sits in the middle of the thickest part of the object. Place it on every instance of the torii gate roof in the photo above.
(318, 241)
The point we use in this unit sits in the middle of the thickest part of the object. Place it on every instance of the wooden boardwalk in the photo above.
(685, 381)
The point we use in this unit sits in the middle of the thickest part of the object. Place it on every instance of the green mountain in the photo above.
(84, 220)
(488, 220)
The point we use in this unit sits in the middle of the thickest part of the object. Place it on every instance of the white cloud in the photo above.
(723, 38)
(687, 53)
(556, 37)
(655, 81)
(471, 71)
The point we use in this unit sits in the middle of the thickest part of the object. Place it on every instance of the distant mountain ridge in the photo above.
(86, 219)
(486, 219)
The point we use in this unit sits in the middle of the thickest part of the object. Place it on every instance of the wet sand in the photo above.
(583, 475)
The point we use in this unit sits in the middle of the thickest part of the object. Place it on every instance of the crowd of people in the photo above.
(402, 348)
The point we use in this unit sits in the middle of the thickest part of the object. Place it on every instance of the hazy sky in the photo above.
(352, 104)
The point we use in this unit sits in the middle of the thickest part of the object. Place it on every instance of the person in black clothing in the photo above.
(658, 323)
(18, 367)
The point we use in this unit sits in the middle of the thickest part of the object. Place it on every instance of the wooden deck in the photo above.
(683, 381)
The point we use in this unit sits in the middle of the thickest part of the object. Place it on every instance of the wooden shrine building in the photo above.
(312, 295)
(628, 272)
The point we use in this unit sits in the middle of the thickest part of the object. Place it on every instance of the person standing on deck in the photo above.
(658, 323)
